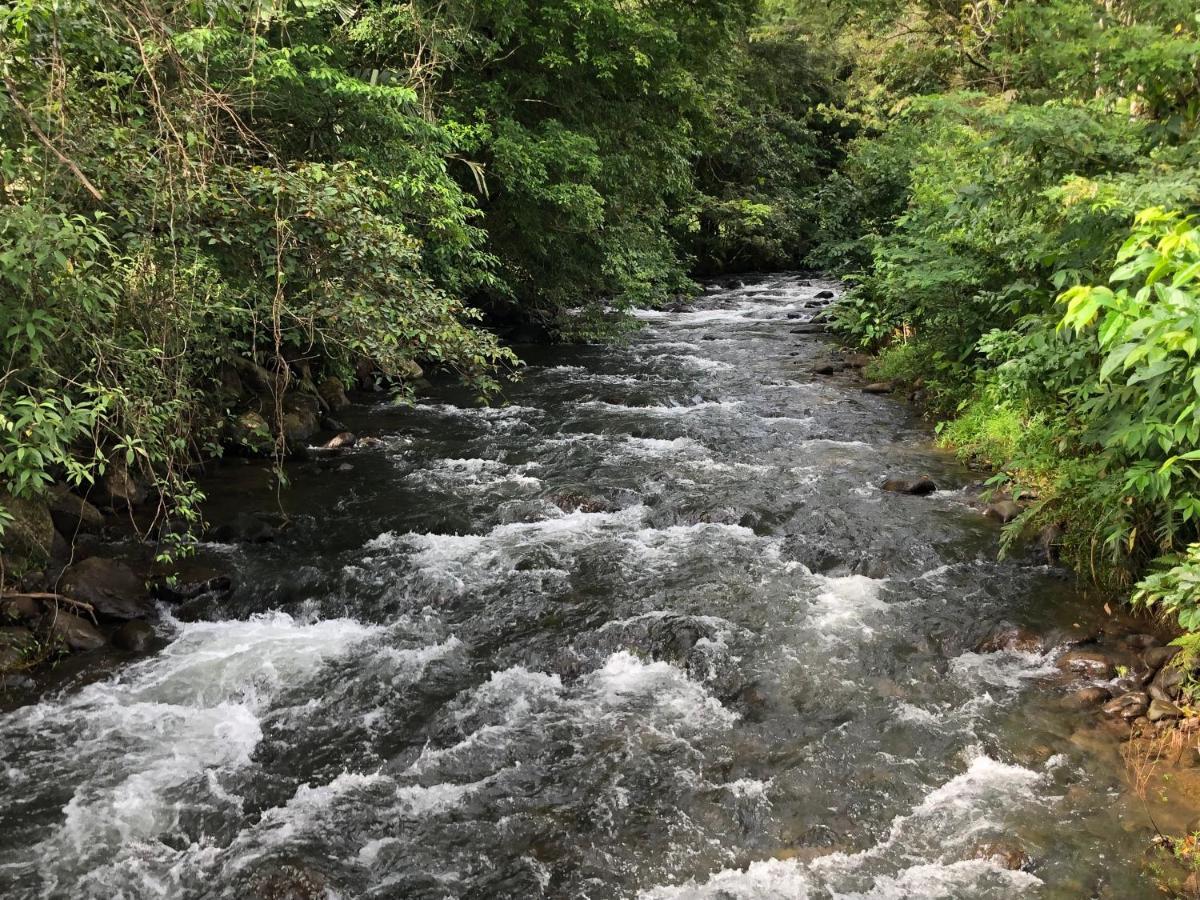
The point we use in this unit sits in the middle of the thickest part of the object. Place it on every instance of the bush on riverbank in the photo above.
(1028, 255)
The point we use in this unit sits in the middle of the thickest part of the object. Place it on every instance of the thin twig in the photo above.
(41, 136)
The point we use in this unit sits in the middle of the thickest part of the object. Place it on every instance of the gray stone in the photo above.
(110, 587)
(1128, 706)
(74, 631)
(1163, 709)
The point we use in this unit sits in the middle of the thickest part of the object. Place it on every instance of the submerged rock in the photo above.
(1012, 638)
(246, 528)
(1006, 854)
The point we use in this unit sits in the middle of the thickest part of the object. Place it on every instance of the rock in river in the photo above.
(109, 586)
(1128, 706)
(77, 633)
(134, 635)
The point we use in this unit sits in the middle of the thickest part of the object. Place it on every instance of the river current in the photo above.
(649, 629)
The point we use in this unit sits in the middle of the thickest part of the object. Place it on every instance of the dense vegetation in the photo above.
(1016, 205)
(215, 214)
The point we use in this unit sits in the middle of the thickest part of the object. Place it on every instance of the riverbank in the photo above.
(652, 626)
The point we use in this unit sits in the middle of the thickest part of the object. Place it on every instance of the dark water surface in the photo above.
(649, 630)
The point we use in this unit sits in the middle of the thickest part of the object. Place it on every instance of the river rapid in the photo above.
(649, 629)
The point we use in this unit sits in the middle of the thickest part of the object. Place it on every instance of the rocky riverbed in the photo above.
(704, 615)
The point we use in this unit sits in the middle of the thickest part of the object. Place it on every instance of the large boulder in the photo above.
(109, 586)
(72, 514)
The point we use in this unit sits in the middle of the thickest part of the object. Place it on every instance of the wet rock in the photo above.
(1157, 657)
(1168, 682)
(1128, 706)
(920, 487)
(109, 586)
(134, 635)
(708, 337)
(1004, 511)
(1003, 853)
(218, 585)
(74, 631)
(1160, 710)
(246, 528)
(824, 369)
(72, 514)
(1096, 663)
(1012, 637)
(333, 391)
(1086, 697)
(338, 441)
(879, 387)
(824, 295)
(370, 442)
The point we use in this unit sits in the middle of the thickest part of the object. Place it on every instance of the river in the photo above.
(650, 628)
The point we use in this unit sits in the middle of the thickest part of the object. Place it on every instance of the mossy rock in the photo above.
(28, 537)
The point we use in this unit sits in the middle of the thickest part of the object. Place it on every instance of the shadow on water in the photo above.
(649, 627)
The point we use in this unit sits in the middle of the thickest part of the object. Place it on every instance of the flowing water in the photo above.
(650, 629)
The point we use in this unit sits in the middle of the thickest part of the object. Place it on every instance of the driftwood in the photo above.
(48, 597)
